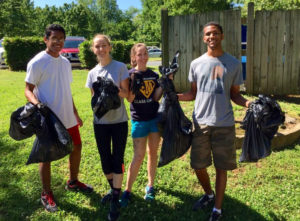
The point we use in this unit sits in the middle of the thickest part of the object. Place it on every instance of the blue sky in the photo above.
(123, 4)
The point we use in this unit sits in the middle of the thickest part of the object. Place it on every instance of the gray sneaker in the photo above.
(203, 202)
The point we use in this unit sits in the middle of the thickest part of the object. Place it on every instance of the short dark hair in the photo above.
(54, 27)
(213, 23)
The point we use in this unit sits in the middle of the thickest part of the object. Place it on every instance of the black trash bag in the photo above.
(105, 96)
(136, 82)
(52, 142)
(168, 89)
(24, 122)
(173, 67)
(177, 135)
(175, 127)
(260, 123)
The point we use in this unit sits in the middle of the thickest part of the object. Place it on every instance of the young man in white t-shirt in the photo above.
(48, 80)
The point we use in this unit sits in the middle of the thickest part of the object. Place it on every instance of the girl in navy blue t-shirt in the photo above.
(144, 106)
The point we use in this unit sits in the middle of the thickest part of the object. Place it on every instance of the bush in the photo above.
(86, 56)
(120, 52)
(19, 51)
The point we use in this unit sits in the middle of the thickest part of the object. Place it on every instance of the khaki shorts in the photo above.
(216, 142)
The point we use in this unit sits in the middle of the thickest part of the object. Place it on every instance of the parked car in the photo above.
(154, 52)
(152, 47)
(71, 49)
(2, 62)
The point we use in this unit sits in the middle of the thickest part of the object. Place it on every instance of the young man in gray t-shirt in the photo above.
(215, 78)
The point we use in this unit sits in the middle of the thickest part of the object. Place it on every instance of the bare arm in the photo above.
(124, 88)
(92, 92)
(29, 93)
(131, 96)
(237, 98)
(157, 94)
(189, 96)
(76, 115)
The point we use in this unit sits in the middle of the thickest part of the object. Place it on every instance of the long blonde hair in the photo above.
(133, 53)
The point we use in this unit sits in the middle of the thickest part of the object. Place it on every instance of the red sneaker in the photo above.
(48, 202)
(78, 186)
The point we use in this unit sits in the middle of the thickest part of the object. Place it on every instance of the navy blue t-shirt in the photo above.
(143, 107)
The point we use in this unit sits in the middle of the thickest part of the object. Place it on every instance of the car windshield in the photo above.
(72, 43)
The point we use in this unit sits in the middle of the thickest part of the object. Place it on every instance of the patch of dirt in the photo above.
(238, 170)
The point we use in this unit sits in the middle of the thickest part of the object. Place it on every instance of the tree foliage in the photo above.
(270, 5)
(148, 22)
(107, 18)
(86, 18)
(15, 17)
(182, 7)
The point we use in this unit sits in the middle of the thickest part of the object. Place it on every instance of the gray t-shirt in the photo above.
(117, 72)
(214, 77)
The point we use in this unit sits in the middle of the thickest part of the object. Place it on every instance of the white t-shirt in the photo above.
(52, 78)
(117, 72)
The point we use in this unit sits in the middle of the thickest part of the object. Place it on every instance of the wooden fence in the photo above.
(273, 52)
(184, 33)
(273, 46)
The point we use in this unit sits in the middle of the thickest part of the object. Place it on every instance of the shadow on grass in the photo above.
(233, 209)
(20, 189)
(97, 211)
(15, 204)
(18, 204)
(180, 209)
(275, 218)
(295, 99)
(287, 147)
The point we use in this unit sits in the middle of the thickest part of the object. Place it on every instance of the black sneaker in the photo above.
(203, 202)
(114, 211)
(215, 216)
(107, 197)
(48, 202)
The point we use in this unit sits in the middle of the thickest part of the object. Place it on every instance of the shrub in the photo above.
(19, 51)
(86, 56)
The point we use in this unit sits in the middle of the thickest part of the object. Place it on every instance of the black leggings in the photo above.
(112, 161)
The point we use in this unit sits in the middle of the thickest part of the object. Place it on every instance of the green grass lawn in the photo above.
(267, 190)
(154, 58)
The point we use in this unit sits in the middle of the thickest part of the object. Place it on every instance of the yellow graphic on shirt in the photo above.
(148, 88)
